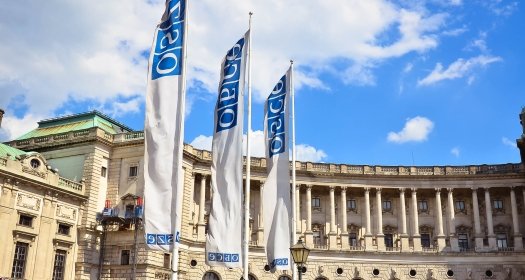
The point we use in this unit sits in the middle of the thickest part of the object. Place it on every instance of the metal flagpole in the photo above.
(294, 198)
(178, 204)
(248, 158)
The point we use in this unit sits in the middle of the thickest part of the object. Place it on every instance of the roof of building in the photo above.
(8, 150)
(76, 122)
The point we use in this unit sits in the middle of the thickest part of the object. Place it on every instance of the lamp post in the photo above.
(299, 254)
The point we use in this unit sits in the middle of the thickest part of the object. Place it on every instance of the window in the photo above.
(317, 237)
(316, 202)
(210, 276)
(25, 220)
(460, 205)
(389, 240)
(387, 205)
(19, 260)
(423, 205)
(124, 257)
(130, 211)
(463, 241)
(167, 260)
(351, 205)
(35, 163)
(501, 240)
(498, 204)
(63, 229)
(353, 239)
(284, 277)
(425, 240)
(104, 171)
(133, 171)
(60, 264)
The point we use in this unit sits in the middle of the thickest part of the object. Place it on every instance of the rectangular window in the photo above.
(60, 265)
(19, 260)
(498, 204)
(133, 171)
(130, 211)
(63, 229)
(463, 241)
(501, 240)
(389, 240)
(460, 205)
(423, 205)
(124, 257)
(387, 205)
(167, 261)
(351, 204)
(425, 240)
(353, 239)
(103, 171)
(316, 202)
(317, 237)
(25, 220)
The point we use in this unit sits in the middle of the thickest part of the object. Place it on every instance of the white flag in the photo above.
(276, 192)
(163, 130)
(223, 242)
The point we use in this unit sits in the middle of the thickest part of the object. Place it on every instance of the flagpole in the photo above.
(248, 158)
(294, 198)
(180, 148)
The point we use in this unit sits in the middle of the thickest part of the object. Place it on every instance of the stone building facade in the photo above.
(361, 222)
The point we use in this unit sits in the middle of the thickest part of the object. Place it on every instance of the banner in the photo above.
(276, 192)
(223, 242)
(163, 130)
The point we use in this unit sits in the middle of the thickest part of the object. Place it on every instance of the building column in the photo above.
(368, 234)
(477, 227)
(260, 230)
(439, 213)
(490, 226)
(308, 235)
(332, 235)
(344, 222)
(201, 225)
(454, 243)
(518, 241)
(416, 238)
(298, 223)
(403, 213)
(380, 237)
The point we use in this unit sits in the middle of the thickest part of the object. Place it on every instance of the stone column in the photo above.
(298, 223)
(380, 237)
(344, 222)
(201, 225)
(477, 227)
(332, 235)
(416, 237)
(260, 229)
(439, 213)
(368, 234)
(490, 226)
(454, 243)
(308, 234)
(518, 242)
(403, 213)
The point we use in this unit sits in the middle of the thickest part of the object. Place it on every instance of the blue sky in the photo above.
(377, 82)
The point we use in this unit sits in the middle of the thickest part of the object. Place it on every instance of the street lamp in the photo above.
(299, 254)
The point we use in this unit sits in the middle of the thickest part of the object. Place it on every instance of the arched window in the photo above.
(210, 276)
(284, 277)
(320, 278)
(250, 277)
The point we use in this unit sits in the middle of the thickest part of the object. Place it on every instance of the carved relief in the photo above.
(32, 171)
(29, 202)
(66, 212)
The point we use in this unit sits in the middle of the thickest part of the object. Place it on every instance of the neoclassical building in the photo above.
(361, 221)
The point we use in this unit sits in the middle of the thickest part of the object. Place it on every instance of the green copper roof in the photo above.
(8, 150)
(74, 123)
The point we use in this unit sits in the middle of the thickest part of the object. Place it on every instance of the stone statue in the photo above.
(522, 119)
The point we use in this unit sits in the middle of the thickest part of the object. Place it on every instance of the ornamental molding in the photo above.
(29, 202)
(66, 212)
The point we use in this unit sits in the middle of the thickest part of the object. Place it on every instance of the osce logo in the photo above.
(161, 239)
(223, 257)
(167, 52)
(275, 107)
(229, 89)
(279, 262)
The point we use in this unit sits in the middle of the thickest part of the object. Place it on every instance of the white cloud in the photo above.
(408, 68)
(457, 69)
(13, 127)
(304, 152)
(456, 2)
(506, 141)
(416, 129)
(455, 151)
(84, 52)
